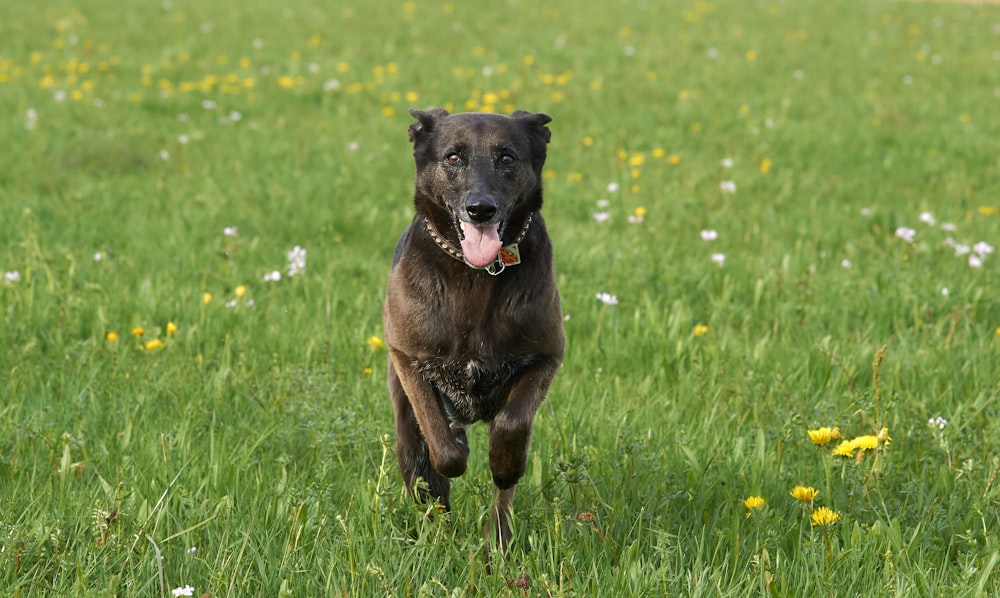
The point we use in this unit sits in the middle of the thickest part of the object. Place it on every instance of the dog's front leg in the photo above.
(449, 453)
(510, 436)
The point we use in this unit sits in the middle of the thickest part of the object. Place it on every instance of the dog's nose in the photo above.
(480, 208)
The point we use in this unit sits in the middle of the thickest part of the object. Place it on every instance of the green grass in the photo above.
(254, 450)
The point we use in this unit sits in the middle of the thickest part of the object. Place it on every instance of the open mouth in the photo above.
(480, 243)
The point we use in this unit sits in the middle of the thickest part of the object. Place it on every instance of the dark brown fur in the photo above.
(465, 345)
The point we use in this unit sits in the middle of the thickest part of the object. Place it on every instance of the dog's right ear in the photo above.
(426, 121)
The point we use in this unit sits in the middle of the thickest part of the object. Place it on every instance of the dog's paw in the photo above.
(455, 462)
(508, 479)
(507, 467)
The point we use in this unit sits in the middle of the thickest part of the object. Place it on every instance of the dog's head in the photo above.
(482, 169)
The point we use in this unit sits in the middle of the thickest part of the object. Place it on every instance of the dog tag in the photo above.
(510, 255)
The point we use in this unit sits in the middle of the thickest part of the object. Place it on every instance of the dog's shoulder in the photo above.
(400, 244)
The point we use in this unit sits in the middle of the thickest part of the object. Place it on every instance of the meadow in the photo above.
(774, 225)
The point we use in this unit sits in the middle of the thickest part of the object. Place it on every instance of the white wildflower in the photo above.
(607, 298)
(937, 422)
(296, 261)
(982, 249)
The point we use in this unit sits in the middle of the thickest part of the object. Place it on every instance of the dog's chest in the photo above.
(472, 390)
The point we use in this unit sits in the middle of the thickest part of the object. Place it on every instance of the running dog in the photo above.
(472, 316)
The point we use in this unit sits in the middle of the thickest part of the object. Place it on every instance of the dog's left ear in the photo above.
(426, 121)
(535, 122)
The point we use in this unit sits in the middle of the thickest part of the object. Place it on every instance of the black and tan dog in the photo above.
(472, 316)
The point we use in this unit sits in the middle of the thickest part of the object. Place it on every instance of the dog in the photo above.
(472, 316)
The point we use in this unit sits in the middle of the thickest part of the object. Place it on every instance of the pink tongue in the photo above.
(481, 245)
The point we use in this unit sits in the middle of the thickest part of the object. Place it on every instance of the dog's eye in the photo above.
(453, 158)
(506, 159)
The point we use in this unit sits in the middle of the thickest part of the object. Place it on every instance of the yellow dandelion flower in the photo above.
(111, 336)
(388, 111)
(637, 159)
(588, 141)
(138, 331)
(844, 449)
(674, 159)
(804, 493)
(286, 82)
(367, 371)
(987, 210)
(375, 342)
(206, 298)
(821, 436)
(866, 443)
(824, 516)
(154, 344)
(765, 165)
(171, 328)
(240, 291)
(754, 502)
(998, 331)
(700, 329)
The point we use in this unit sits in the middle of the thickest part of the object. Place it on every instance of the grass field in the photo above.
(793, 204)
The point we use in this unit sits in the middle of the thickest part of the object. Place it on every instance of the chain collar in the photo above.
(509, 255)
